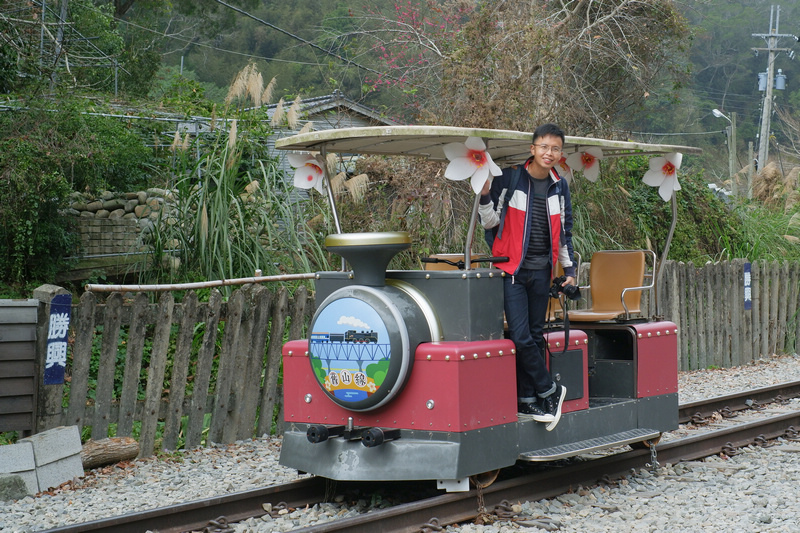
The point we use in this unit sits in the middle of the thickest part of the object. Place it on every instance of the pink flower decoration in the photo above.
(587, 162)
(663, 174)
(308, 171)
(470, 160)
(564, 169)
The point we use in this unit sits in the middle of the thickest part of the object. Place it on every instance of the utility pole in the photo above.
(771, 39)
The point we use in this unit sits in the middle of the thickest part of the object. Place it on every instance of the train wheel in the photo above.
(484, 479)
(645, 444)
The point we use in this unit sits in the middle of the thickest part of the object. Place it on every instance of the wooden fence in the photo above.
(147, 367)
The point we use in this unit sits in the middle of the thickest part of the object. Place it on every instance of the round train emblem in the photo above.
(361, 345)
(350, 350)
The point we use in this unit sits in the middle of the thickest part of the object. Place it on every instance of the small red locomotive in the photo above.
(407, 375)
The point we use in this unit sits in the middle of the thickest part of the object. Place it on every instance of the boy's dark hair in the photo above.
(548, 129)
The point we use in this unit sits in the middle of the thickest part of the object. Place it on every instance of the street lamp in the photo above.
(731, 133)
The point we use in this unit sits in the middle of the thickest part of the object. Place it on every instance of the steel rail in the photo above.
(457, 507)
(738, 401)
(196, 515)
(460, 507)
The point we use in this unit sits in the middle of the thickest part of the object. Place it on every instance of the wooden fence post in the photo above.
(49, 397)
(155, 374)
(226, 368)
(180, 367)
(269, 394)
(112, 319)
(133, 365)
(205, 358)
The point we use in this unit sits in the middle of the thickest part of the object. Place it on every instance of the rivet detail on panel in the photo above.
(658, 333)
(446, 357)
(463, 357)
(428, 357)
(500, 353)
(513, 350)
(478, 275)
(290, 353)
(639, 336)
(306, 353)
(488, 354)
(649, 334)
(463, 276)
(427, 276)
(474, 356)
(307, 398)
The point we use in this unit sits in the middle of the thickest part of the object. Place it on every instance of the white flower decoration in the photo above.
(564, 169)
(663, 174)
(470, 160)
(587, 162)
(308, 171)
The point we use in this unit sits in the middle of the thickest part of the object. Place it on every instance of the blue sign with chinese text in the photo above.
(748, 296)
(57, 332)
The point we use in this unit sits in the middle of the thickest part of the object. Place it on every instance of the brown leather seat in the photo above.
(616, 282)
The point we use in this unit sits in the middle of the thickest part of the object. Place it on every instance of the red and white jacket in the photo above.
(512, 240)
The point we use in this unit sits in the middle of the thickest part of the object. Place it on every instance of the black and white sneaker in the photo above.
(533, 411)
(551, 405)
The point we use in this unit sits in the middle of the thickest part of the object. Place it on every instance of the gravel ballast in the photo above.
(754, 491)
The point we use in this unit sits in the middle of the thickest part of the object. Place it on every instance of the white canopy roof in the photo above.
(506, 146)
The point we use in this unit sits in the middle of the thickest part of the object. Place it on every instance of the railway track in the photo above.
(444, 509)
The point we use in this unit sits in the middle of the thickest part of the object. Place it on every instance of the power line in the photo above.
(651, 134)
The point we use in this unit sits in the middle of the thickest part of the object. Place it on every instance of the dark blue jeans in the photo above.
(526, 296)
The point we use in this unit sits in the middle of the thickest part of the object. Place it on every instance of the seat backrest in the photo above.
(610, 273)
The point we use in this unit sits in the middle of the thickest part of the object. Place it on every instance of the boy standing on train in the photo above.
(529, 214)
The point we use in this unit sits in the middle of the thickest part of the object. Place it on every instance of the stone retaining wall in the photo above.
(115, 223)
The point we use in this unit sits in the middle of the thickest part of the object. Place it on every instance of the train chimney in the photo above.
(368, 253)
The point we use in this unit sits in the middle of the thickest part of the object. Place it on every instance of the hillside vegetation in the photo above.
(647, 70)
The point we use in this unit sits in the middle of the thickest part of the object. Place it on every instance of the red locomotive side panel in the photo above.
(454, 386)
(570, 369)
(657, 361)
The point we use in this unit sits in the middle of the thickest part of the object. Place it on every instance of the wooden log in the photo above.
(108, 451)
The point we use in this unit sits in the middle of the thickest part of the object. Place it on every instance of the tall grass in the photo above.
(232, 211)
